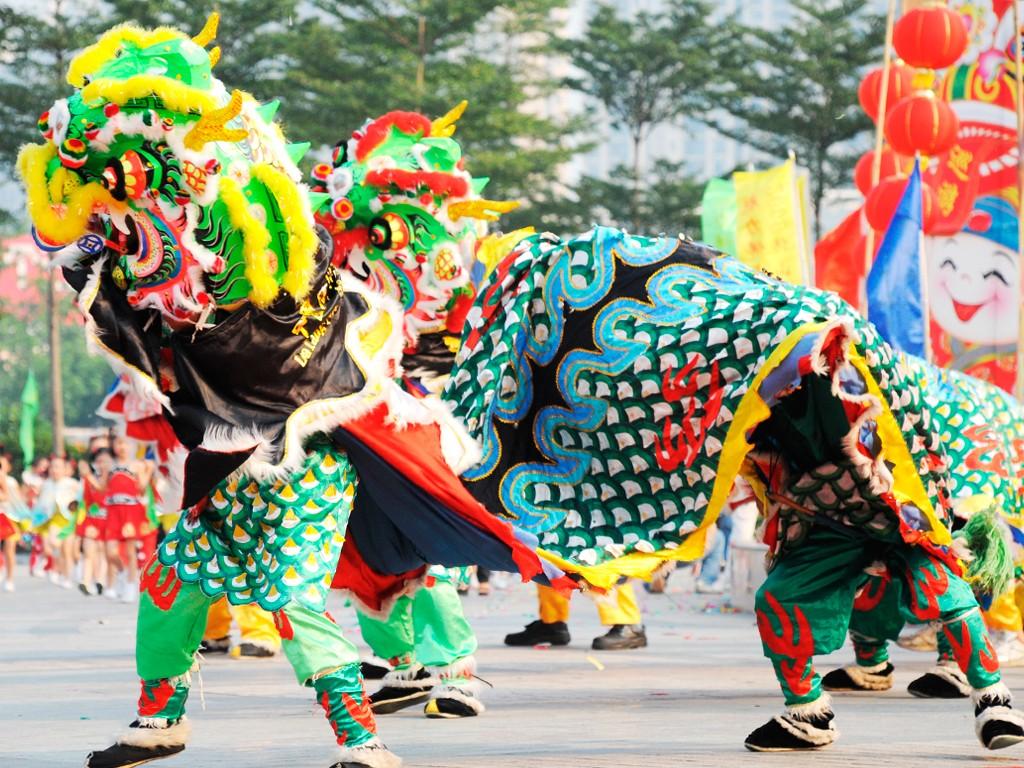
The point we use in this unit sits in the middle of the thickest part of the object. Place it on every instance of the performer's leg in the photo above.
(172, 617)
(945, 680)
(217, 638)
(394, 639)
(804, 608)
(552, 627)
(619, 610)
(258, 635)
(875, 620)
(326, 661)
(934, 592)
(445, 642)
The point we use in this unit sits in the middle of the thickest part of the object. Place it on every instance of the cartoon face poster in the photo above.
(974, 275)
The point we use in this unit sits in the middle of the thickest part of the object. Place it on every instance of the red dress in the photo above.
(126, 514)
(94, 524)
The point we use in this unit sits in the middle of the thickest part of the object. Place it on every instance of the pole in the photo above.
(1019, 73)
(876, 165)
(52, 303)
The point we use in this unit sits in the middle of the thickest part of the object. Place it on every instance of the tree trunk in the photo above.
(635, 197)
(818, 186)
(421, 65)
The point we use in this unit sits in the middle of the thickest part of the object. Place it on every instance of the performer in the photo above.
(92, 525)
(617, 610)
(10, 513)
(127, 518)
(270, 379)
(259, 638)
(421, 251)
(649, 373)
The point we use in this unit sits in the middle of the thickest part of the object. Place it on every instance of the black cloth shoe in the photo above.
(997, 724)
(253, 651)
(621, 637)
(217, 645)
(789, 732)
(941, 682)
(858, 679)
(372, 671)
(449, 708)
(402, 689)
(148, 743)
(539, 633)
(124, 755)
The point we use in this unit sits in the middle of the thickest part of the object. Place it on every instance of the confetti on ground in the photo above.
(595, 662)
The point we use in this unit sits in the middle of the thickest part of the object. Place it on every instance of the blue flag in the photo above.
(894, 282)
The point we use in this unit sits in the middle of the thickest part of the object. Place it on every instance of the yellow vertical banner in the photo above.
(769, 222)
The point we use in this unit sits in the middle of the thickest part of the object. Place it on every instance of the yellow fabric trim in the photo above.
(175, 95)
(302, 239)
(256, 241)
(493, 248)
(104, 49)
(65, 220)
(752, 410)
(907, 485)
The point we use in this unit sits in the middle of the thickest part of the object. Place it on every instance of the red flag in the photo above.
(839, 259)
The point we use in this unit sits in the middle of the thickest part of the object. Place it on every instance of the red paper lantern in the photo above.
(932, 37)
(921, 123)
(901, 83)
(892, 165)
(885, 198)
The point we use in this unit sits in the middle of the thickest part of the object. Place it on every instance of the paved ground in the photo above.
(67, 683)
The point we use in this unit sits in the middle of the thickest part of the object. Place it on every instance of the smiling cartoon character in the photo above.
(974, 276)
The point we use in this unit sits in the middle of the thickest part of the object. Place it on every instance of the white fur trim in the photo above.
(996, 691)
(406, 678)
(172, 736)
(951, 673)
(464, 667)
(869, 678)
(819, 737)
(463, 693)
(139, 383)
(373, 753)
(820, 706)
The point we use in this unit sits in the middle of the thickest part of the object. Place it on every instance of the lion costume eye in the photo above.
(389, 232)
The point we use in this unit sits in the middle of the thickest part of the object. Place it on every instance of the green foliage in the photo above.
(795, 88)
(23, 346)
(428, 55)
(646, 71)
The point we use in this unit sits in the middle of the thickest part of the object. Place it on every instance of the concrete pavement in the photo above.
(67, 683)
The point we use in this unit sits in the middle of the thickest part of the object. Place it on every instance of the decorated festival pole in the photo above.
(1019, 73)
(876, 165)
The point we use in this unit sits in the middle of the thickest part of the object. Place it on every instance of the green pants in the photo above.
(428, 628)
(172, 619)
(804, 607)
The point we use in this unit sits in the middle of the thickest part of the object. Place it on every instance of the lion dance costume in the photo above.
(266, 378)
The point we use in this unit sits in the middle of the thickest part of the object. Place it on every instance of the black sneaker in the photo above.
(121, 755)
(215, 645)
(858, 679)
(539, 633)
(941, 682)
(372, 671)
(402, 689)
(997, 724)
(621, 637)
(252, 651)
(789, 732)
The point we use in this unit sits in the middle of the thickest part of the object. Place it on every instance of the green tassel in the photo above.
(991, 571)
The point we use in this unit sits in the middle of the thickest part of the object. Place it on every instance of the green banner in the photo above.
(718, 215)
(29, 411)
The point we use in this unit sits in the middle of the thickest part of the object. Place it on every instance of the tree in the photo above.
(645, 71)
(428, 55)
(795, 88)
(37, 47)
